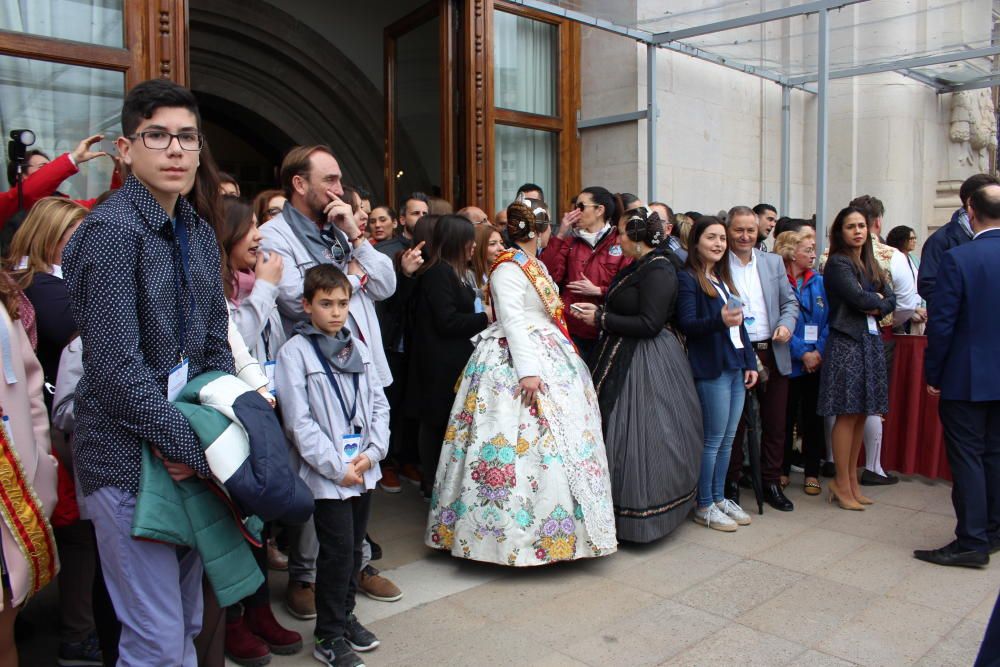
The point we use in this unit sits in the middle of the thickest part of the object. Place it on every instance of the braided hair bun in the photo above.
(642, 226)
(524, 217)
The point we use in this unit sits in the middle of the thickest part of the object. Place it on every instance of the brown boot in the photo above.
(262, 623)
(377, 587)
(275, 559)
(300, 600)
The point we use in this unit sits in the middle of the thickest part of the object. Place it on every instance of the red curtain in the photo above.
(912, 440)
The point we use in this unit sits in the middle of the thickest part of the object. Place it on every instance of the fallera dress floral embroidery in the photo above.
(515, 485)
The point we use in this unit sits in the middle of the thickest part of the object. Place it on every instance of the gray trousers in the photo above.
(304, 550)
(155, 588)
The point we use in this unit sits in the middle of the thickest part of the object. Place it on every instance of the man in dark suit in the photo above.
(963, 367)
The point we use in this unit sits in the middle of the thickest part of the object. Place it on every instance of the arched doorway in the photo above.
(267, 82)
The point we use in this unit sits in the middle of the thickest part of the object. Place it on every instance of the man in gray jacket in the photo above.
(317, 227)
(770, 310)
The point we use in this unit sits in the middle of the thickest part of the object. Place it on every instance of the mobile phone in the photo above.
(734, 302)
(576, 307)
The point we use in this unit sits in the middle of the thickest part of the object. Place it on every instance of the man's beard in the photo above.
(316, 207)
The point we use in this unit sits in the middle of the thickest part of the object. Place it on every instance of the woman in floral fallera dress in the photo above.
(523, 476)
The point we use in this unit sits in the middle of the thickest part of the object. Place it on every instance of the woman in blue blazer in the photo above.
(722, 361)
(807, 347)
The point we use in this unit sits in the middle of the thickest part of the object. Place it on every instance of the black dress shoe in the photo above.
(775, 497)
(869, 478)
(953, 555)
(829, 470)
(732, 491)
(994, 544)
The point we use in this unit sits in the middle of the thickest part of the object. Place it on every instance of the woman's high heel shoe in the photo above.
(845, 504)
(864, 500)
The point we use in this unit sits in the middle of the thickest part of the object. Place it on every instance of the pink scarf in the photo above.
(244, 285)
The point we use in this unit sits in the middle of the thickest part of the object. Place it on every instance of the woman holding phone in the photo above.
(710, 314)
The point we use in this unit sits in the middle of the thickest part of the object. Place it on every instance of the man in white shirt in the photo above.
(769, 313)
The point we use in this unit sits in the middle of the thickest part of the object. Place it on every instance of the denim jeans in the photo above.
(721, 406)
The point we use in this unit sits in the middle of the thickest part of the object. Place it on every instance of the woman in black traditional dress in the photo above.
(649, 405)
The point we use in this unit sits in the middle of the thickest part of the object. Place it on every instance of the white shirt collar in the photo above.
(735, 261)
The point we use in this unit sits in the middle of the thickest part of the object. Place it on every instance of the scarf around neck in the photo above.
(319, 244)
(339, 349)
(593, 237)
(243, 282)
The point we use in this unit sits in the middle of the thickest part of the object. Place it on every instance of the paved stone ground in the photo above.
(817, 586)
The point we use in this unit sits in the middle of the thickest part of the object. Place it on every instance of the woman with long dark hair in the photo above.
(723, 363)
(854, 383)
(445, 319)
(649, 406)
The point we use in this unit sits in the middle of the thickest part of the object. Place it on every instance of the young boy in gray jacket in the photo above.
(337, 418)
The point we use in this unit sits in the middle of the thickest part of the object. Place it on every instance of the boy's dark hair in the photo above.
(872, 207)
(324, 278)
(760, 208)
(143, 101)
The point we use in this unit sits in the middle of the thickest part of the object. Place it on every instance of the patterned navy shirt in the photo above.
(129, 294)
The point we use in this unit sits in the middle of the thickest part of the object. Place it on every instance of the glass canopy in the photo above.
(942, 43)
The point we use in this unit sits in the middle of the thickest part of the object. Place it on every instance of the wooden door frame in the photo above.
(444, 11)
(563, 123)
(155, 39)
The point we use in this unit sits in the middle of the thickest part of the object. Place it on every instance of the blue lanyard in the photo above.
(349, 416)
(183, 277)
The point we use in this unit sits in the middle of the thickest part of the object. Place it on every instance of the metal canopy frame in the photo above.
(816, 83)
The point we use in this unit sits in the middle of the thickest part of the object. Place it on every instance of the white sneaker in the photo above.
(712, 517)
(734, 512)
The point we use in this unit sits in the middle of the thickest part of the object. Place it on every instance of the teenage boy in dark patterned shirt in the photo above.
(143, 275)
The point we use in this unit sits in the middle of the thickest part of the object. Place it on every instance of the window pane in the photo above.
(91, 21)
(524, 64)
(418, 110)
(63, 104)
(523, 156)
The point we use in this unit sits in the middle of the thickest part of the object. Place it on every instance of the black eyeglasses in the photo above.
(159, 140)
(913, 238)
(580, 205)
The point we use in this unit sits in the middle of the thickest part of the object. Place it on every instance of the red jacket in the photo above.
(571, 259)
(44, 183)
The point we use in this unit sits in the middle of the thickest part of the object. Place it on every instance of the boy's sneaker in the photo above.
(336, 653)
(377, 587)
(358, 636)
(87, 652)
(734, 512)
(712, 517)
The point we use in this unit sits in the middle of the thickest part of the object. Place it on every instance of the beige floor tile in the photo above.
(629, 557)
(649, 637)
(874, 567)
(525, 589)
(879, 522)
(814, 658)
(889, 632)
(409, 634)
(556, 659)
(923, 530)
(677, 569)
(765, 531)
(958, 649)
(494, 644)
(738, 645)
(579, 614)
(918, 493)
(984, 610)
(738, 589)
(811, 551)
(955, 590)
(808, 611)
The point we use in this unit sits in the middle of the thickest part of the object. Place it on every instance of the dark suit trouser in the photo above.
(773, 399)
(972, 442)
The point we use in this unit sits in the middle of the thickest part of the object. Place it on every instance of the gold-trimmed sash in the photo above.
(23, 515)
(546, 291)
